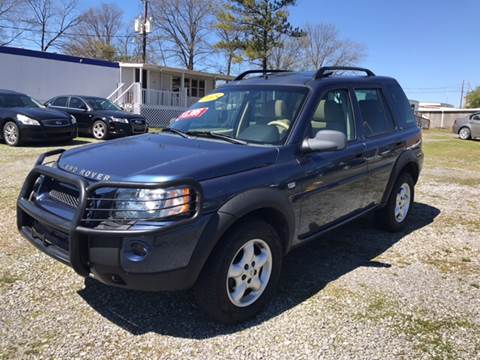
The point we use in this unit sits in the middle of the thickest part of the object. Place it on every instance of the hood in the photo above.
(41, 113)
(161, 157)
(118, 113)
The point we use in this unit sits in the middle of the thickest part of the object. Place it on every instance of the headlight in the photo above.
(151, 204)
(72, 118)
(119, 120)
(25, 120)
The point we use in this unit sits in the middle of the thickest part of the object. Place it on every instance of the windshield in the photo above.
(101, 104)
(262, 115)
(18, 100)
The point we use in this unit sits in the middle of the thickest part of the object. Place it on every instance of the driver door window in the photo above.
(334, 112)
(76, 103)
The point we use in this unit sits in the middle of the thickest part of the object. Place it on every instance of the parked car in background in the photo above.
(99, 117)
(23, 119)
(467, 127)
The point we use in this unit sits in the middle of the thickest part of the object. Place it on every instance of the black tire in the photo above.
(96, 133)
(464, 133)
(9, 130)
(212, 288)
(386, 217)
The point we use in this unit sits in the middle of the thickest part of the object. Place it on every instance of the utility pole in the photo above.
(144, 33)
(461, 96)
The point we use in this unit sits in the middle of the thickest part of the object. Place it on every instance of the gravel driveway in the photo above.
(357, 292)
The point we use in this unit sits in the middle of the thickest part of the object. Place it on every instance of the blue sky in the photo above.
(429, 46)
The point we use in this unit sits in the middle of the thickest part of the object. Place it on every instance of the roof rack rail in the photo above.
(242, 75)
(328, 70)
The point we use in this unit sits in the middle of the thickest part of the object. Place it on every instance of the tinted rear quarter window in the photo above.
(376, 117)
(403, 111)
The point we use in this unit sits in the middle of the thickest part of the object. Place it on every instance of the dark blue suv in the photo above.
(266, 163)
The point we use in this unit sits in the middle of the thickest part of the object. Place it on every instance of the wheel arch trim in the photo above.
(408, 160)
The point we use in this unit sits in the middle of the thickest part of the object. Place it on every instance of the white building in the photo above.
(159, 93)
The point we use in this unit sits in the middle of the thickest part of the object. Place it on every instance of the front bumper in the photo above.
(176, 253)
(121, 129)
(46, 133)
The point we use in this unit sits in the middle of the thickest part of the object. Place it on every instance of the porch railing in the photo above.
(132, 96)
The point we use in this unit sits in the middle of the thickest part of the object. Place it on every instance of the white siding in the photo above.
(46, 78)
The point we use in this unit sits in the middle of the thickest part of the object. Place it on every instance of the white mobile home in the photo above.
(159, 93)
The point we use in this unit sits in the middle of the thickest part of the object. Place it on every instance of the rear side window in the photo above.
(60, 101)
(376, 118)
(403, 110)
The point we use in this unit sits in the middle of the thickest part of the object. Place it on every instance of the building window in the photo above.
(195, 87)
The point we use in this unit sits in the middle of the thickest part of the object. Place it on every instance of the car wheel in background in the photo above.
(464, 133)
(394, 215)
(100, 130)
(241, 274)
(11, 133)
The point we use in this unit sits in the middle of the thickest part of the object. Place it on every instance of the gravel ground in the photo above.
(356, 293)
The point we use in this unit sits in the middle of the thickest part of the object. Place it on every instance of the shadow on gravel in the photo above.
(306, 271)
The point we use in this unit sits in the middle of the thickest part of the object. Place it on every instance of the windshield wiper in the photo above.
(176, 131)
(215, 135)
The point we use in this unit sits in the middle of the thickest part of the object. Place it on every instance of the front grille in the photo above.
(64, 198)
(56, 122)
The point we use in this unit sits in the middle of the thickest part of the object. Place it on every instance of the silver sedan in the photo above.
(468, 127)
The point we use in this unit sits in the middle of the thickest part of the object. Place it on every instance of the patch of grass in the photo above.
(472, 224)
(428, 335)
(7, 279)
(462, 181)
(451, 152)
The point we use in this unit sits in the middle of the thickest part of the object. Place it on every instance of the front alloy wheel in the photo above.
(100, 130)
(464, 133)
(241, 274)
(249, 273)
(11, 133)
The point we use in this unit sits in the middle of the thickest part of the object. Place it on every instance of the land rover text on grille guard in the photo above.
(59, 211)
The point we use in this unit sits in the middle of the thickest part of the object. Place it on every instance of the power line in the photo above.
(19, 28)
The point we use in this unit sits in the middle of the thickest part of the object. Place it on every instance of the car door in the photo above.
(475, 125)
(334, 182)
(78, 108)
(382, 140)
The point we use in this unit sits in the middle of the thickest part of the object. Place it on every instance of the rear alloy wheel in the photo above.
(241, 274)
(11, 133)
(100, 130)
(394, 215)
(464, 133)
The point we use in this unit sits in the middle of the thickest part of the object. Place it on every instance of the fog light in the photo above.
(137, 251)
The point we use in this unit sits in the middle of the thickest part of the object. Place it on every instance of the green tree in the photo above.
(473, 99)
(229, 43)
(262, 24)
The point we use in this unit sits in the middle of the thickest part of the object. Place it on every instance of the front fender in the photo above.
(264, 198)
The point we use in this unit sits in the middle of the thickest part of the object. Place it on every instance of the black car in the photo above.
(264, 164)
(99, 117)
(22, 119)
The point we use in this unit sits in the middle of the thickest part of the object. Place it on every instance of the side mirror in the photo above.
(325, 140)
(476, 117)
